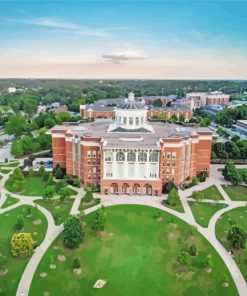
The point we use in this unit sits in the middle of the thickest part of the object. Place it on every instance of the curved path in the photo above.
(209, 232)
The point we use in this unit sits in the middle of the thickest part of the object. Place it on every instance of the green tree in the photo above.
(17, 175)
(65, 193)
(198, 195)
(58, 173)
(22, 244)
(50, 181)
(73, 233)
(193, 250)
(208, 262)
(173, 198)
(49, 122)
(237, 237)
(29, 145)
(183, 258)
(17, 148)
(49, 192)
(168, 186)
(99, 221)
(30, 172)
(76, 263)
(30, 107)
(42, 171)
(19, 223)
(231, 174)
(16, 125)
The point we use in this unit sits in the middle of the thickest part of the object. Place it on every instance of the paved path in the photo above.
(209, 233)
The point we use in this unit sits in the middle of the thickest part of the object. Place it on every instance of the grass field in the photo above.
(236, 192)
(203, 211)
(10, 164)
(10, 200)
(15, 266)
(136, 254)
(212, 193)
(4, 171)
(239, 216)
(57, 208)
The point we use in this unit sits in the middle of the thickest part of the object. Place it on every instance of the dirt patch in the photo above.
(37, 222)
(102, 234)
(61, 258)
(53, 266)
(46, 294)
(3, 272)
(77, 271)
(88, 203)
(225, 285)
(191, 238)
(171, 235)
(207, 270)
(174, 225)
(83, 224)
(43, 274)
(159, 219)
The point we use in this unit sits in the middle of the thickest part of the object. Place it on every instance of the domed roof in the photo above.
(130, 103)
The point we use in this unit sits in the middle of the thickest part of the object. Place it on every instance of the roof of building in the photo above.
(172, 107)
(136, 139)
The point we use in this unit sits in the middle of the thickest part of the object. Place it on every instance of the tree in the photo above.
(183, 258)
(30, 106)
(198, 195)
(50, 181)
(19, 223)
(65, 193)
(16, 125)
(202, 176)
(77, 182)
(76, 263)
(99, 221)
(88, 196)
(42, 171)
(208, 262)
(22, 244)
(231, 174)
(57, 172)
(173, 198)
(195, 181)
(193, 250)
(237, 237)
(17, 148)
(49, 192)
(30, 172)
(168, 186)
(29, 145)
(17, 175)
(73, 233)
(49, 122)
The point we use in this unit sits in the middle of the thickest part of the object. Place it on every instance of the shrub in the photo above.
(88, 196)
(76, 263)
(22, 244)
(73, 233)
(19, 223)
(192, 250)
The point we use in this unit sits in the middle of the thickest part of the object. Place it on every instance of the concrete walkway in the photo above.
(209, 233)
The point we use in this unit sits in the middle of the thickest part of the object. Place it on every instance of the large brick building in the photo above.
(128, 155)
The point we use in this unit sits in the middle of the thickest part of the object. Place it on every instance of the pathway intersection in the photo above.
(53, 231)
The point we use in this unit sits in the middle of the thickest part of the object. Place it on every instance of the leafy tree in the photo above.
(29, 145)
(73, 233)
(88, 196)
(193, 250)
(16, 125)
(65, 193)
(49, 122)
(57, 171)
(231, 174)
(77, 182)
(49, 192)
(22, 244)
(42, 171)
(17, 148)
(50, 181)
(76, 263)
(57, 219)
(99, 221)
(202, 176)
(30, 172)
(195, 181)
(183, 258)
(17, 175)
(173, 198)
(17, 186)
(168, 186)
(30, 106)
(208, 262)
(237, 237)
(19, 223)
(43, 139)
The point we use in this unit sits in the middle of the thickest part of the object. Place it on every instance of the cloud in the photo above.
(55, 24)
(120, 56)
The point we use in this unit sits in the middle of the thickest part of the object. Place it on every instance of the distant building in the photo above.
(174, 110)
(209, 98)
(241, 126)
(59, 109)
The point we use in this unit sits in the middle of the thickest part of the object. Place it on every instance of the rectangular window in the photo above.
(89, 170)
(142, 170)
(89, 154)
(137, 120)
(153, 170)
(94, 154)
(168, 164)
(168, 155)
(141, 120)
(94, 170)
(124, 120)
(108, 170)
(89, 162)
(130, 121)
(167, 171)
(173, 155)
(130, 170)
(173, 171)
(120, 170)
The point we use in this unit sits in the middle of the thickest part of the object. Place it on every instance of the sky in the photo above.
(123, 39)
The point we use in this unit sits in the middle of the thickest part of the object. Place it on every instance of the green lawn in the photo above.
(34, 186)
(83, 206)
(212, 193)
(136, 254)
(203, 211)
(10, 200)
(236, 192)
(57, 208)
(239, 216)
(9, 282)
(5, 171)
(10, 164)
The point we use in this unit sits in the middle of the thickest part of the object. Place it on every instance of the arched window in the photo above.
(108, 155)
(120, 156)
(131, 156)
(142, 156)
(153, 157)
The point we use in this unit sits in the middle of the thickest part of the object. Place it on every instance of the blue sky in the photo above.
(123, 39)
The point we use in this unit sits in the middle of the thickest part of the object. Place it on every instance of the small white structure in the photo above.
(99, 284)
